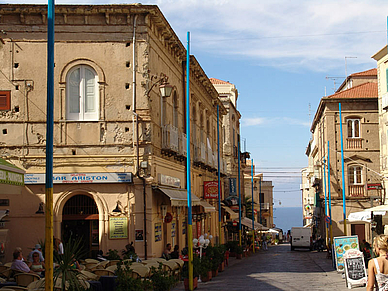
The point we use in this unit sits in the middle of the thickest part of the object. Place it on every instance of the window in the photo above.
(175, 110)
(353, 128)
(5, 100)
(82, 94)
(355, 175)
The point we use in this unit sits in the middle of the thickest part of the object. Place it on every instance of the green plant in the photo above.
(196, 266)
(239, 250)
(218, 256)
(66, 269)
(161, 279)
(113, 255)
(232, 245)
(205, 266)
(125, 282)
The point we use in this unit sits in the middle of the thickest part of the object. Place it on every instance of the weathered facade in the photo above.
(361, 153)
(119, 146)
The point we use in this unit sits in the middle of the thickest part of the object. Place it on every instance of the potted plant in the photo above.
(239, 252)
(205, 270)
(231, 246)
(185, 273)
(161, 279)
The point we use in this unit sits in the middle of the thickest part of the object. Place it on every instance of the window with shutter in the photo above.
(5, 100)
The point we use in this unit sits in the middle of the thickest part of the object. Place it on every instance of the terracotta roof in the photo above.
(366, 90)
(219, 82)
(371, 72)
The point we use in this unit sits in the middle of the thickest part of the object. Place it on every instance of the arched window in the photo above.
(353, 128)
(355, 175)
(82, 94)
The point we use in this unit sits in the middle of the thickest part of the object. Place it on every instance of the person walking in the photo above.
(378, 267)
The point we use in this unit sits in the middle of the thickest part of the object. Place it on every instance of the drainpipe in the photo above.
(137, 135)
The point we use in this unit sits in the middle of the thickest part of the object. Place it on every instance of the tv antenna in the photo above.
(334, 79)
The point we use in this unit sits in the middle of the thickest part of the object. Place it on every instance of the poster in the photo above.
(118, 227)
(158, 231)
(342, 244)
(173, 227)
(210, 190)
(139, 235)
(184, 226)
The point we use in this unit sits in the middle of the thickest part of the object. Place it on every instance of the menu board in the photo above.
(342, 244)
(158, 231)
(355, 271)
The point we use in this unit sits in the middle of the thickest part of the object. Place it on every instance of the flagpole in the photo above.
(188, 165)
(239, 192)
(219, 175)
(343, 173)
(49, 250)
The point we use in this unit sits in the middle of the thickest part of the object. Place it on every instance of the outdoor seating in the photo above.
(170, 267)
(86, 275)
(91, 266)
(9, 264)
(24, 279)
(112, 262)
(103, 272)
(112, 268)
(13, 288)
(5, 271)
(140, 272)
(104, 263)
(94, 261)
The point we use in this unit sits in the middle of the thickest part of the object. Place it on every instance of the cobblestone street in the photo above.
(277, 269)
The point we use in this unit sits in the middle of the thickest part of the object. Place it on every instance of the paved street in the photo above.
(277, 269)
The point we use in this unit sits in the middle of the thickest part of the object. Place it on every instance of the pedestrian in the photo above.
(18, 263)
(166, 252)
(175, 253)
(37, 249)
(376, 278)
(265, 244)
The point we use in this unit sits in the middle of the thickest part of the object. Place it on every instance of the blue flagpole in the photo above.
(239, 193)
(49, 251)
(343, 172)
(219, 175)
(324, 184)
(188, 165)
(329, 191)
(253, 212)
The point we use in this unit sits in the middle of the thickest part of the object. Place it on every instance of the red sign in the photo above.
(210, 190)
(234, 223)
(375, 186)
(168, 218)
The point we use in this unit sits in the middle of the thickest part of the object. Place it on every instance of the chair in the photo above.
(170, 267)
(24, 279)
(91, 266)
(103, 272)
(89, 261)
(9, 264)
(141, 271)
(112, 262)
(112, 268)
(86, 275)
(5, 272)
(103, 264)
(13, 288)
(160, 260)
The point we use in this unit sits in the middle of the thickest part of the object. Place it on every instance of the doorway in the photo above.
(358, 229)
(80, 221)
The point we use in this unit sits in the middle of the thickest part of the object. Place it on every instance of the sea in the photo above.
(287, 217)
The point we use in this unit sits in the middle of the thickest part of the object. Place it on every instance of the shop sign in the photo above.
(375, 186)
(118, 227)
(139, 235)
(232, 187)
(12, 178)
(355, 270)
(210, 190)
(158, 231)
(73, 178)
(173, 225)
(169, 181)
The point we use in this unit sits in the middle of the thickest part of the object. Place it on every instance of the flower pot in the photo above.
(221, 267)
(215, 273)
(208, 277)
(239, 256)
(195, 283)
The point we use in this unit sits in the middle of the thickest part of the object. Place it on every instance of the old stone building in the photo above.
(361, 153)
(119, 143)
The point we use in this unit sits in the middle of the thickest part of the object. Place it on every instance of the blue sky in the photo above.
(279, 55)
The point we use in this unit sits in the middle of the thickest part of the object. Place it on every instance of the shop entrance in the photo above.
(80, 221)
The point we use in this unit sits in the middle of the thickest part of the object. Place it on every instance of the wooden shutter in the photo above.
(5, 100)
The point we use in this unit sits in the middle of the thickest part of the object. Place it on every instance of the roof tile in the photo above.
(365, 90)
(219, 82)
(371, 72)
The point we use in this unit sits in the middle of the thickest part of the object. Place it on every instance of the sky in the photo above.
(283, 56)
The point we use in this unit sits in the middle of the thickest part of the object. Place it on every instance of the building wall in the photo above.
(104, 42)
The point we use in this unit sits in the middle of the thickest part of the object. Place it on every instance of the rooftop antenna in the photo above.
(346, 69)
(310, 111)
(334, 79)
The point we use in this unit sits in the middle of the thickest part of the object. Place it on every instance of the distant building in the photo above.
(360, 122)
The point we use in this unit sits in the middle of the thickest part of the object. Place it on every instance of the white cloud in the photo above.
(292, 35)
(274, 121)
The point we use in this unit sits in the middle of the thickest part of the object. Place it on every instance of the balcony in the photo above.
(170, 140)
(356, 191)
(203, 153)
(183, 144)
(354, 143)
(209, 160)
(197, 154)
